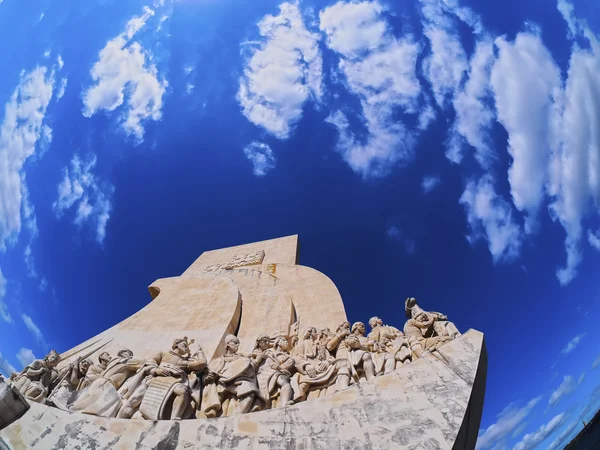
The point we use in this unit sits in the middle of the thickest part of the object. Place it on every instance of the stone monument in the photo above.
(239, 352)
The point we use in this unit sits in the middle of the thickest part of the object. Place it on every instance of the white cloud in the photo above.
(20, 131)
(60, 62)
(125, 69)
(531, 440)
(381, 71)
(29, 261)
(33, 329)
(82, 189)
(596, 362)
(508, 420)
(43, 284)
(575, 170)
(526, 81)
(189, 88)
(394, 232)
(572, 344)
(429, 183)
(490, 217)
(594, 239)
(565, 388)
(3, 308)
(25, 356)
(62, 88)
(568, 12)
(283, 71)
(5, 367)
(261, 157)
(562, 437)
(581, 378)
(473, 115)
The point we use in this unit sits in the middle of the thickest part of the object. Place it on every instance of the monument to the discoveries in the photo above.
(248, 349)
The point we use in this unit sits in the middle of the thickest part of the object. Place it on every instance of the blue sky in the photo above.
(432, 148)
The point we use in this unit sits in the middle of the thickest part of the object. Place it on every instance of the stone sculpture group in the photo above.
(280, 371)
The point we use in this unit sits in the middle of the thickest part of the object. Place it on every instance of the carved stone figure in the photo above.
(166, 391)
(231, 386)
(352, 345)
(70, 379)
(37, 379)
(101, 397)
(317, 369)
(416, 329)
(441, 325)
(391, 348)
(95, 370)
(274, 368)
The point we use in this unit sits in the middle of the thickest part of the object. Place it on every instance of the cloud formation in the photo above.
(565, 388)
(261, 157)
(5, 367)
(508, 420)
(22, 128)
(282, 72)
(490, 217)
(381, 71)
(531, 440)
(33, 329)
(25, 356)
(125, 73)
(4, 314)
(82, 189)
(429, 183)
(572, 344)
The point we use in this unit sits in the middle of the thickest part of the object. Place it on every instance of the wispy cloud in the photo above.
(565, 388)
(572, 344)
(508, 420)
(430, 182)
(3, 308)
(81, 188)
(33, 329)
(25, 356)
(5, 367)
(261, 157)
(532, 440)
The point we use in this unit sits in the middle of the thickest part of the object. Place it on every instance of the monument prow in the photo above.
(248, 349)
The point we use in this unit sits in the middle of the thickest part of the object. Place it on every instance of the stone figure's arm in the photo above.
(333, 342)
(423, 325)
(198, 363)
(288, 364)
(34, 369)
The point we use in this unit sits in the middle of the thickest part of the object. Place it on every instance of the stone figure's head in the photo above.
(232, 343)
(104, 358)
(83, 365)
(281, 342)
(344, 326)
(409, 304)
(359, 328)
(181, 346)
(311, 333)
(125, 353)
(263, 342)
(52, 359)
(375, 321)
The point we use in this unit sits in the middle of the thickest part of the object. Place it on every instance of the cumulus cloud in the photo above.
(3, 308)
(125, 73)
(261, 157)
(25, 356)
(508, 420)
(282, 72)
(81, 189)
(526, 82)
(565, 388)
(5, 367)
(531, 440)
(572, 344)
(490, 217)
(381, 71)
(33, 329)
(474, 115)
(429, 183)
(22, 128)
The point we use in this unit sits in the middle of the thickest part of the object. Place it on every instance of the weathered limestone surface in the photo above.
(432, 403)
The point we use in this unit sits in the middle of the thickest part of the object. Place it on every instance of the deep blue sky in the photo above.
(123, 191)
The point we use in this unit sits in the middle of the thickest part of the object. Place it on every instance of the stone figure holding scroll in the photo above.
(163, 387)
(274, 367)
(231, 386)
(345, 344)
(441, 325)
(37, 379)
(318, 370)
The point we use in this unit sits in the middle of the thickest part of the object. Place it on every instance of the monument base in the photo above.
(433, 403)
